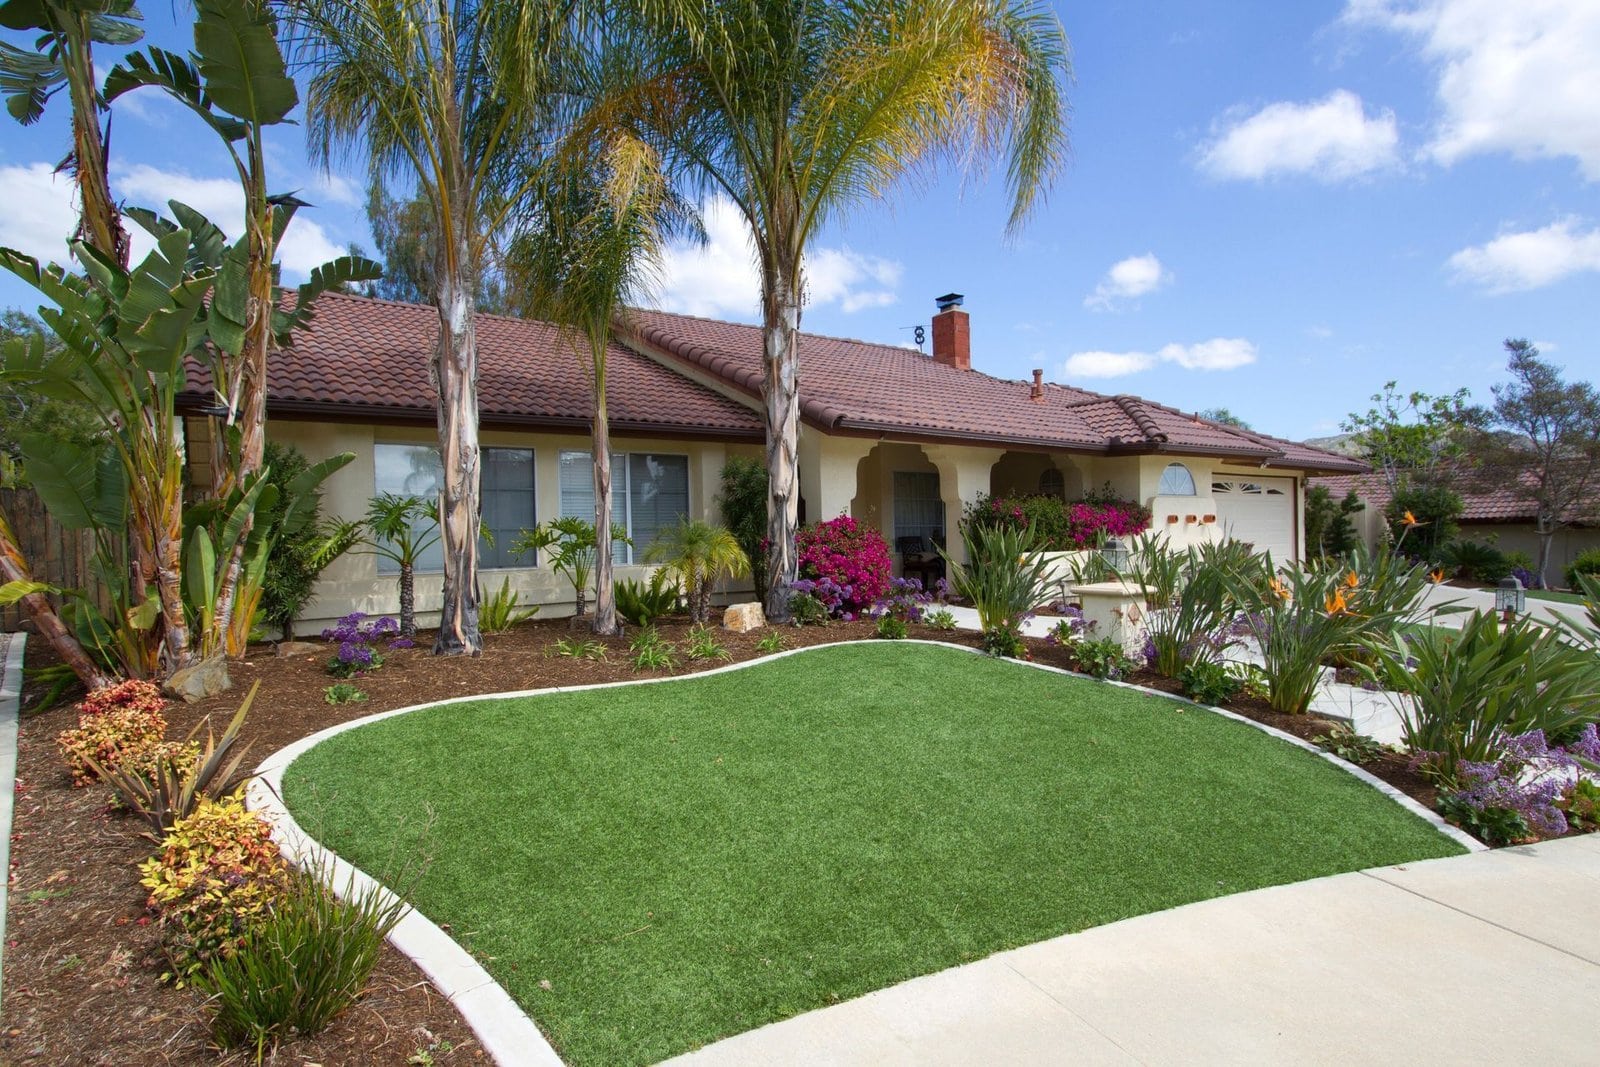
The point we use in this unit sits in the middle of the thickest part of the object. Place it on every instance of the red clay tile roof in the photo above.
(856, 386)
(1501, 503)
(364, 358)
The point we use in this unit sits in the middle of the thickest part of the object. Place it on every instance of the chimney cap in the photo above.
(949, 300)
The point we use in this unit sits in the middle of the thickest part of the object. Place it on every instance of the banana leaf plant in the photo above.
(237, 82)
(124, 336)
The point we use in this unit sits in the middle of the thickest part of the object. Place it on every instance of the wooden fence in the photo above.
(58, 556)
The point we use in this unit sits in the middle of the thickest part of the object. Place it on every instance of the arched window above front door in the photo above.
(1176, 481)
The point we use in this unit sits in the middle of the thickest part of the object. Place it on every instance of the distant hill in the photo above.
(1342, 443)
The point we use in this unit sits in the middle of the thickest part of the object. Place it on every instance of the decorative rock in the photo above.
(742, 618)
(205, 679)
(299, 648)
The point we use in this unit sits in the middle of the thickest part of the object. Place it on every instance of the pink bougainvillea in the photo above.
(1060, 526)
(852, 556)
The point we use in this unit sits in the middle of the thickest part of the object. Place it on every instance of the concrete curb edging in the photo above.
(506, 1032)
(10, 717)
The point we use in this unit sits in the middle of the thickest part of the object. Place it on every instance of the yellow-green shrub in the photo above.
(132, 737)
(217, 871)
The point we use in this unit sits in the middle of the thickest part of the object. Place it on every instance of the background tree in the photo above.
(1541, 438)
(451, 95)
(1410, 438)
(796, 112)
(1329, 529)
(403, 230)
(1224, 416)
(594, 244)
(744, 512)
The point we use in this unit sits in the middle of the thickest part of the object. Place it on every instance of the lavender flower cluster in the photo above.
(1529, 777)
(356, 638)
(827, 592)
(904, 600)
(1072, 628)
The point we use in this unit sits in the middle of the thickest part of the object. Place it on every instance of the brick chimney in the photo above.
(952, 333)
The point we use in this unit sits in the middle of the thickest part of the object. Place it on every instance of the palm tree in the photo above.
(401, 529)
(598, 233)
(796, 111)
(701, 555)
(452, 95)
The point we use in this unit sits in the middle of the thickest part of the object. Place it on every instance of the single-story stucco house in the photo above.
(896, 438)
(1501, 515)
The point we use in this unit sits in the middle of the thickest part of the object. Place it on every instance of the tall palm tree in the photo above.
(798, 109)
(596, 238)
(452, 95)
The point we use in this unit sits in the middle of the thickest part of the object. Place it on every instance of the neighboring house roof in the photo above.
(857, 387)
(1503, 502)
(371, 359)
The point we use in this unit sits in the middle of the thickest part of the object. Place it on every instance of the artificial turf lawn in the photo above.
(684, 861)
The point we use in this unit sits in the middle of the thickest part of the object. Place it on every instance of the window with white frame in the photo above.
(918, 508)
(507, 487)
(1176, 481)
(649, 494)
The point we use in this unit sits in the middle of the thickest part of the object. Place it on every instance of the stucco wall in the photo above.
(353, 583)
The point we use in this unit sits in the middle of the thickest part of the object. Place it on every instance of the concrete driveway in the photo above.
(1489, 958)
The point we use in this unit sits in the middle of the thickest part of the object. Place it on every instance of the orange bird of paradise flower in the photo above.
(1336, 603)
(1409, 519)
(1281, 590)
(1436, 576)
(1351, 580)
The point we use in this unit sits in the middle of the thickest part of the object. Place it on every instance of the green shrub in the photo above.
(1581, 803)
(1208, 682)
(298, 965)
(806, 609)
(1103, 658)
(299, 555)
(643, 604)
(1586, 563)
(941, 619)
(217, 871)
(1434, 511)
(891, 627)
(1474, 562)
(1329, 528)
(1195, 627)
(1350, 746)
(1492, 824)
(576, 648)
(703, 644)
(343, 693)
(652, 652)
(771, 643)
(498, 611)
(744, 513)
(1469, 689)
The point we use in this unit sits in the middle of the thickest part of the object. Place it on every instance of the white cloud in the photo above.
(1107, 364)
(1512, 77)
(1331, 139)
(1219, 353)
(1321, 331)
(1514, 262)
(1128, 279)
(720, 278)
(41, 211)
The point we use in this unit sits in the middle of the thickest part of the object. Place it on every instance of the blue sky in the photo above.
(1269, 207)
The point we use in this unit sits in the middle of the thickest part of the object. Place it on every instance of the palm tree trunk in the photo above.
(408, 601)
(781, 386)
(605, 601)
(99, 221)
(456, 367)
(13, 568)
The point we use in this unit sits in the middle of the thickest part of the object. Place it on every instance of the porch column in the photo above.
(828, 472)
(963, 477)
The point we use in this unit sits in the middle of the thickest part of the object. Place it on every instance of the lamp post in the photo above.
(1115, 553)
(1510, 599)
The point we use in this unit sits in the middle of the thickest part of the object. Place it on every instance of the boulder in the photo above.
(205, 679)
(742, 618)
(287, 649)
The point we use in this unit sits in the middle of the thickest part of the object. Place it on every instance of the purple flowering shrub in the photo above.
(356, 640)
(1523, 791)
(904, 600)
(1072, 628)
(854, 560)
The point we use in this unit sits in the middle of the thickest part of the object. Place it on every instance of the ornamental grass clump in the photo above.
(853, 558)
(1005, 578)
(1466, 690)
(217, 871)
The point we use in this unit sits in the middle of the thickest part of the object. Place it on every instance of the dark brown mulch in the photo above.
(82, 960)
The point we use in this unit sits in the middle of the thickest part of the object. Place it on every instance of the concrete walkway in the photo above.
(11, 646)
(1488, 958)
(1439, 596)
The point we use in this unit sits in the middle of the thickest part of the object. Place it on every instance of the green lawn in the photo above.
(684, 861)
(1556, 595)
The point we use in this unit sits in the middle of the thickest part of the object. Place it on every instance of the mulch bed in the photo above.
(82, 958)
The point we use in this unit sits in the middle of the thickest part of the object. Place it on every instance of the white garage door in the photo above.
(1260, 511)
